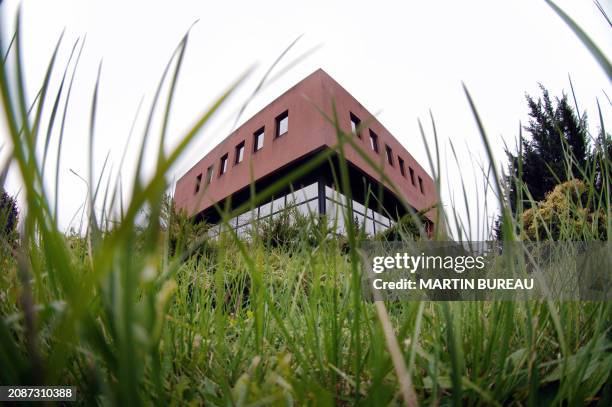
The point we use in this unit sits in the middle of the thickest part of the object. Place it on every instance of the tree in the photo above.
(555, 150)
(601, 158)
(9, 217)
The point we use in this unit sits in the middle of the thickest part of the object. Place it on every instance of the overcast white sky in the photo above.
(399, 59)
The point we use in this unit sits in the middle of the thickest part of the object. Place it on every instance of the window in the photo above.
(374, 141)
(304, 194)
(369, 227)
(245, 218)
(209, 175)
(265, 210)
(232, 222)
(421, 185)
(401, 165)
(239, 153)
(198, 182)
(278, 204)
(282, 124)
(355, 123)
(411, 175)
(389, 155)
(223, 168)
(258, 140)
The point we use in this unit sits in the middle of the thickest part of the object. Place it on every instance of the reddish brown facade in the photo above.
(308, 131)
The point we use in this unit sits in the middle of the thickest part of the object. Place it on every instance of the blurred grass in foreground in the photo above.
(136, 313)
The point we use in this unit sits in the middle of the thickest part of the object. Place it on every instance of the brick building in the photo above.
(289, 132)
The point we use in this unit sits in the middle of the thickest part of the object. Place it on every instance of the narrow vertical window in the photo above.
(223, 166)
(282, 123)
(258, 140)
(389, 155)
(411, 175)
(374, 141)
(209, 174)
(355, 123)
(401, 165)
(198, 182)
(421, 185)
(239, 153)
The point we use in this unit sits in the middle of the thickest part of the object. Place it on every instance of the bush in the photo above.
(409, 227)
(565, 214)
(186, 238)
(290, 229)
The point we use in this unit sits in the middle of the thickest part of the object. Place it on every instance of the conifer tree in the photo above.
(555, 149)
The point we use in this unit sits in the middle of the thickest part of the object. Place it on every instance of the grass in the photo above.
(149, 312)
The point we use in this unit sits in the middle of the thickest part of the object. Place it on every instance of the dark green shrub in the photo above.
(409, 227)
(9, 218)
(290, 229)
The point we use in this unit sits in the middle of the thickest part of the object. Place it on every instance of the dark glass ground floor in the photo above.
(375, 208)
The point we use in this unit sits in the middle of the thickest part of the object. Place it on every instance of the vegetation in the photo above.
(558, 149)
(409, 227)
(289, 229)
(567, 213)
(555, 132)
(9, 217)
(135, 312)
